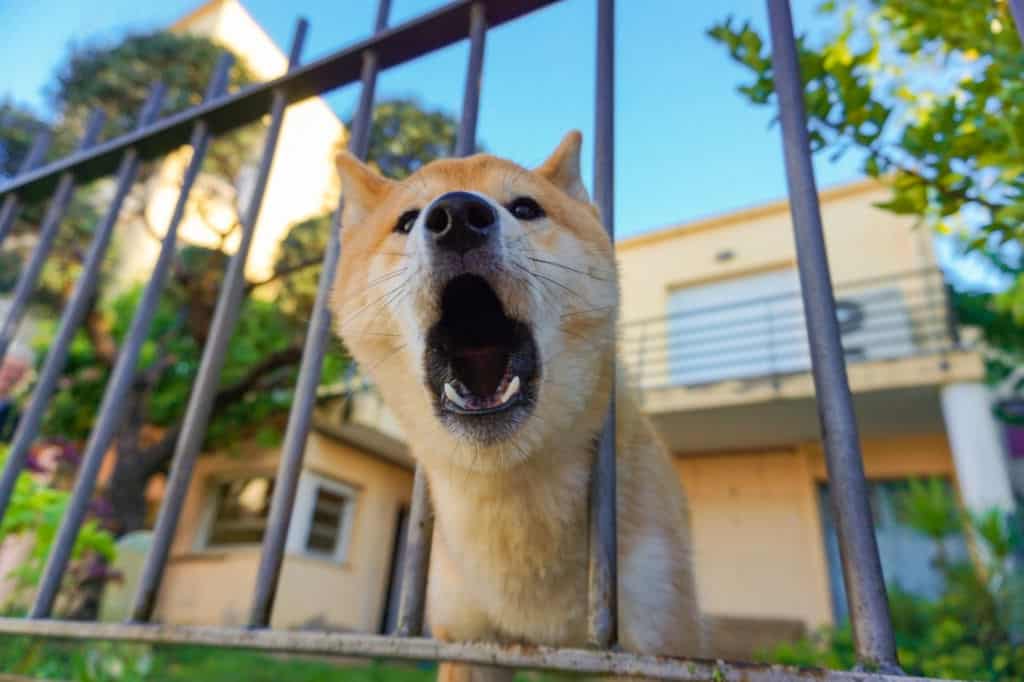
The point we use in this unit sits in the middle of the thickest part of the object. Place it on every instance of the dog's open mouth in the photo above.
(479, 361)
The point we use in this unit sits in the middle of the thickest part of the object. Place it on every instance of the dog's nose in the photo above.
(460, 221)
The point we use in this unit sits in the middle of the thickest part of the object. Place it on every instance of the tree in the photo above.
(263, 356)
(931, 96)
(405, 136)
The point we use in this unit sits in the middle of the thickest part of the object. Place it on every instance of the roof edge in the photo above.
(742, 215)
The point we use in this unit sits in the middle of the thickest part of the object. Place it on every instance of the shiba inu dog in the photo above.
(481, 298)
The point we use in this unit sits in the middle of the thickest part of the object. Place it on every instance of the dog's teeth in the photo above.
(453, 395)
(511, 390)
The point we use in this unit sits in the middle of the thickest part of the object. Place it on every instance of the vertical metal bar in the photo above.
(124, 369)
(9, 209)
(200, 404)
(359, 143)
(28, 424)
(862, 571)
(602, 626)
(47, 233)
(417, 560)
(300, 417)
(1017, 11)
(420, 533)
(466, 141)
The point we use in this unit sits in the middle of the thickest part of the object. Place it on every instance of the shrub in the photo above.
(974, 630)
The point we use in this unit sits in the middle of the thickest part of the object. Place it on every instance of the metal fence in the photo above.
(223, 111)
(765, 338)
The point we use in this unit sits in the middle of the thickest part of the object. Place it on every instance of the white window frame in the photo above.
(302, 516)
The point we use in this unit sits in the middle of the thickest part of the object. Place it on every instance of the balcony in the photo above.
(736, 374)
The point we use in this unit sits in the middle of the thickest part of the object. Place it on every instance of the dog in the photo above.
(481, 298)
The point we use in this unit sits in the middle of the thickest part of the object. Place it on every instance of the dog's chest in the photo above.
(521, 555)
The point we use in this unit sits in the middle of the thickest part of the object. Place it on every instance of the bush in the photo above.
(974, 630)
(35, 510)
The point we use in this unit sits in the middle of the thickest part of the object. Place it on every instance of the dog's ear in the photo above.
(563, 166)
(361, 186)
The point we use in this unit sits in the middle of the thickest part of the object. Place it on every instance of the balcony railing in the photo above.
(752, 339)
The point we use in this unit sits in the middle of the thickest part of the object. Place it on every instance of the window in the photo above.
(322, 518)
(327, 522)
(907, 556)
(241, 507)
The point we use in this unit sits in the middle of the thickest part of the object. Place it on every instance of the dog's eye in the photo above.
(406, 220)
(525, 208)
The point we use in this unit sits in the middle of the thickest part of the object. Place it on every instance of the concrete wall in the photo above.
(214, 587)
(757, 527)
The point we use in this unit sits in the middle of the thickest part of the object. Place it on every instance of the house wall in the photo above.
(758, 539)
(863, 242)
(214, 587)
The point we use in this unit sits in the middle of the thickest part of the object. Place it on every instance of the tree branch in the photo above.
(947, 193)
(102, 341)
(285, 272)
(157, 456)
(270, 364)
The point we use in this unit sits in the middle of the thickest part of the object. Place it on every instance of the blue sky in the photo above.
(687, 144)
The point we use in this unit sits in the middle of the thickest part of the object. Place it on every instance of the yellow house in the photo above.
(713, 337)
(713, 340)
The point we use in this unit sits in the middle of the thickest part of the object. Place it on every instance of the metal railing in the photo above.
(751, 339)
(222, 112)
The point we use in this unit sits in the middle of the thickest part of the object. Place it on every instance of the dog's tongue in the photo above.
(480, 369)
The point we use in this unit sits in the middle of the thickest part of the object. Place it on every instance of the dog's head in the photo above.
(480, 297)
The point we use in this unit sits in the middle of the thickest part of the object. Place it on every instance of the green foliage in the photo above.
(18, 127)
(117, 77)
(972, 631)
(404, 137)
(266, 338)
(36, 510)
(1001, 331)
(121, 662)
(932, 96)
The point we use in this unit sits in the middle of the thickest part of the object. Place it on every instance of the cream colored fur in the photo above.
(509, 561)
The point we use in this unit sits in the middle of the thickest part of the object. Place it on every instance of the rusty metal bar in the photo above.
(419, 536)
(602, 627)
(424, 34)
(418, 543)
(9, 209)
(862, 570)
(47, 233)
(200, 404)
(124, 372)
(584, 661)
(294, 448)
(466, 140)
(28, 424)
